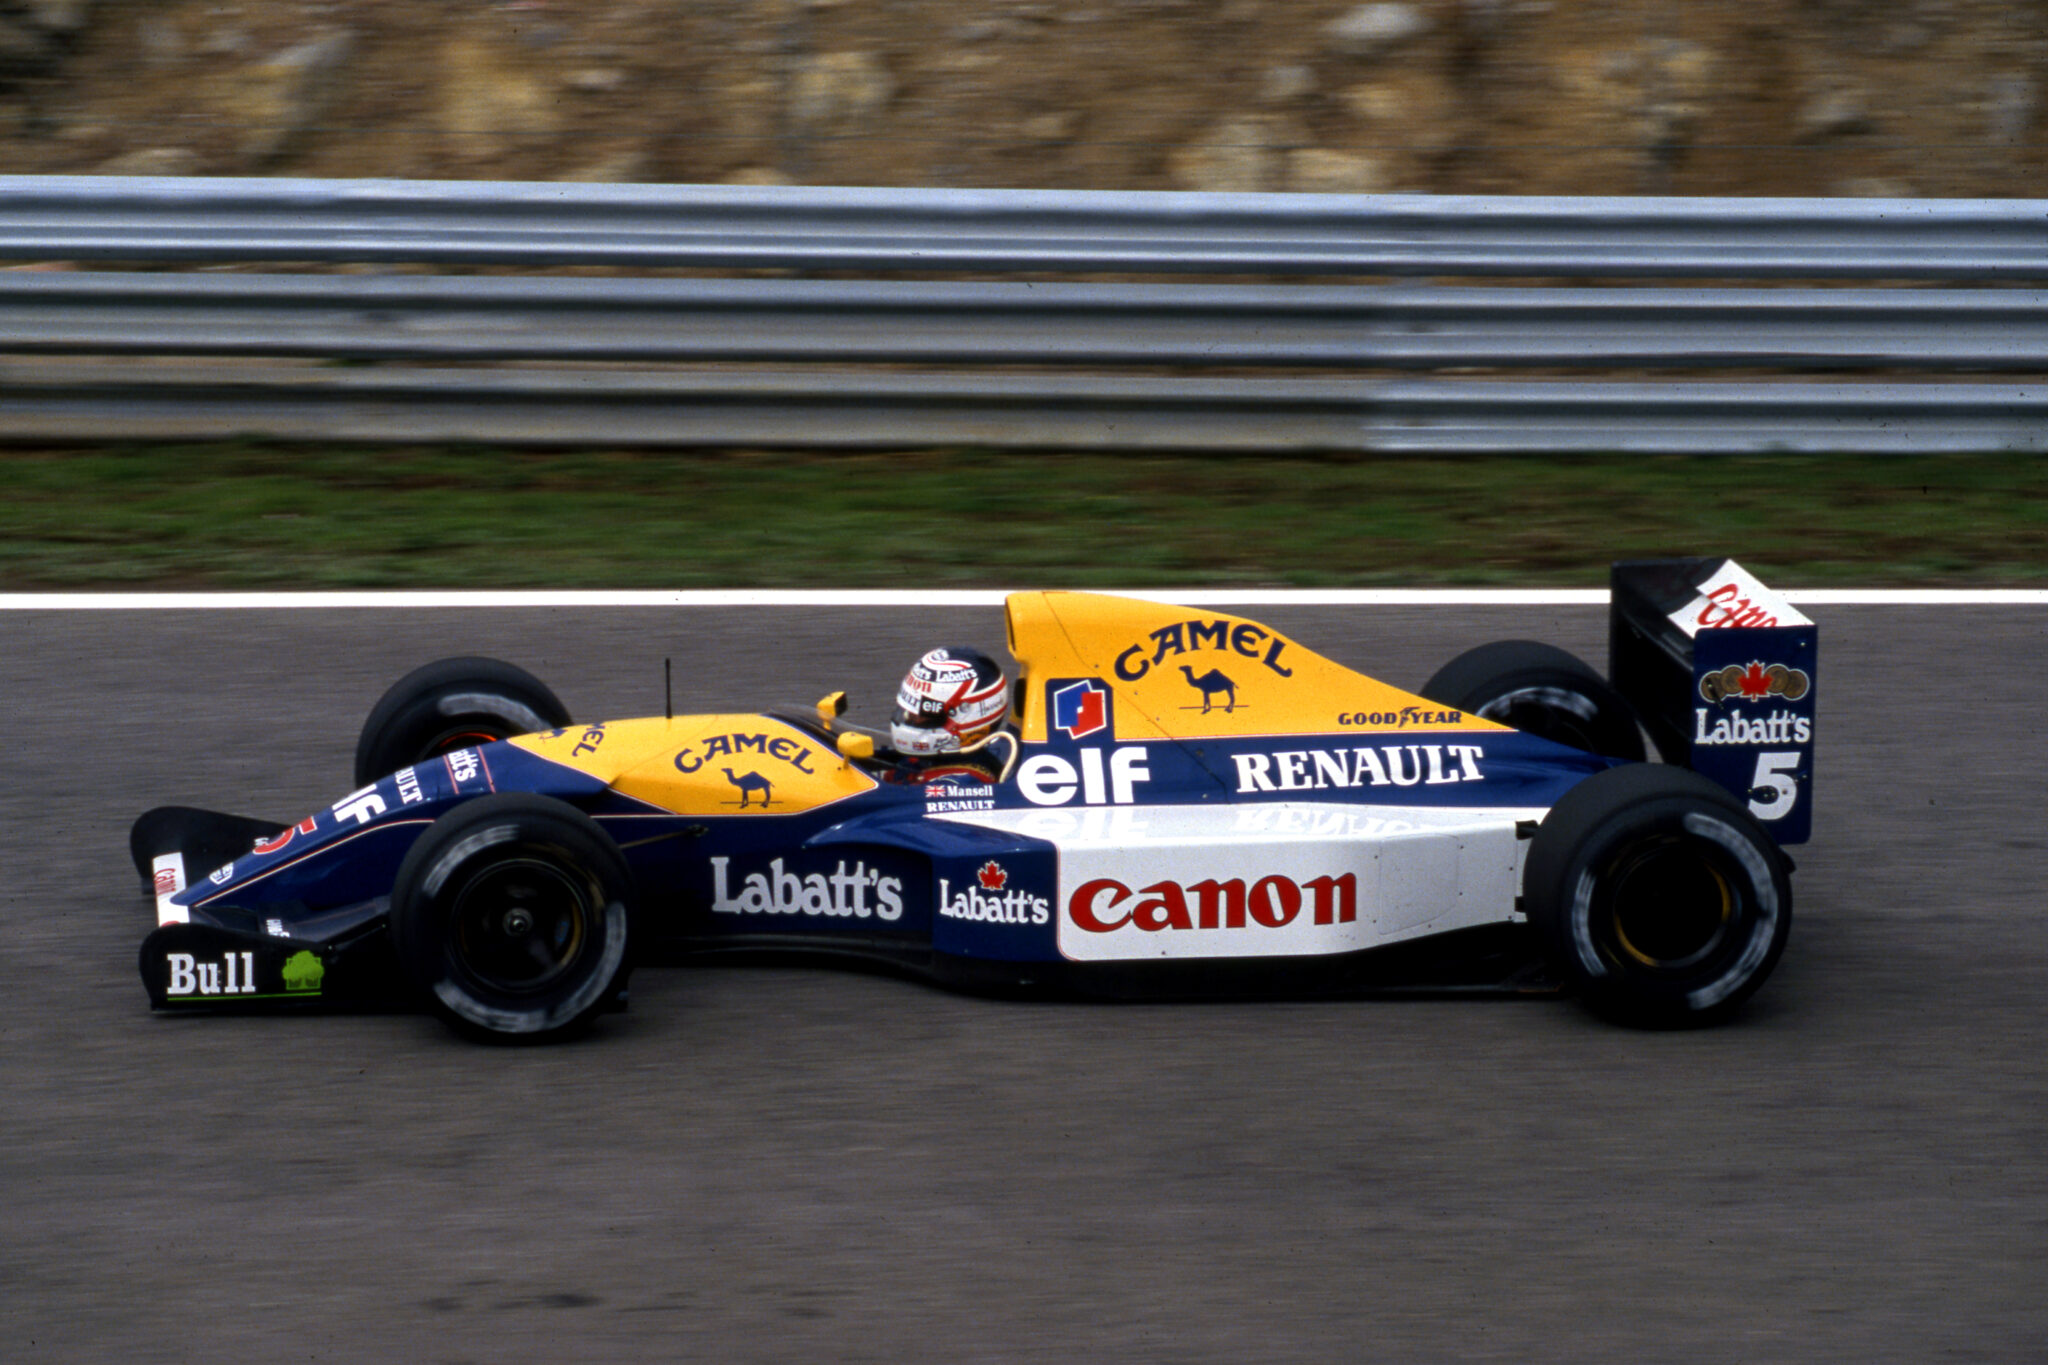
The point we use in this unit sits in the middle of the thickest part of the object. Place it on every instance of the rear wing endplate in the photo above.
(1721, 670)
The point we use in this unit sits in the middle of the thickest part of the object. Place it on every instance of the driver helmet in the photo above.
(951, 699)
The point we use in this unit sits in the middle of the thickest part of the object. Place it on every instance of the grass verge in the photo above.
(254, 515)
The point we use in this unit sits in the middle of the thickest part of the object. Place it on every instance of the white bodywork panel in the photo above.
(1277, 879)
(1733, 596)
(167, 879)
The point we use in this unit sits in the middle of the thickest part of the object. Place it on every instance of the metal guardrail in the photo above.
(920, 322)
(883, 411)
(86, 218)
(196, 353)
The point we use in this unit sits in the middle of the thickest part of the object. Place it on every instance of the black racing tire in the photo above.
(452, 704)
(510, 916)
(1658, 896)
(1544, 691)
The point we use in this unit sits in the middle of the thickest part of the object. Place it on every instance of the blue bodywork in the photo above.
(883, 875)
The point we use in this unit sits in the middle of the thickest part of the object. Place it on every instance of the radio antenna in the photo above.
(668, 689)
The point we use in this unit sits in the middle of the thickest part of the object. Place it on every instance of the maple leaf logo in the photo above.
(991, 876)
(1755, 681)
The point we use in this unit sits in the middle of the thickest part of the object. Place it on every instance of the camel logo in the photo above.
(782, 748)
(1226, 636)
(303, 972)
(749, 784)
(1756, 682)
(1213, 684)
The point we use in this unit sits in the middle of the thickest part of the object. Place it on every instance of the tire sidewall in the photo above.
(1494, 677)
(469, 699)
(1569, 895)
(481, 835)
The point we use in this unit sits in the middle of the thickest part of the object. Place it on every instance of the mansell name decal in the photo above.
(958, 793)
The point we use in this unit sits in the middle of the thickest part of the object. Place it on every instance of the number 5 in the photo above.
(1775, 772)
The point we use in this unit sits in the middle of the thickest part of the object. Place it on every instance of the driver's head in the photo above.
(951, 699)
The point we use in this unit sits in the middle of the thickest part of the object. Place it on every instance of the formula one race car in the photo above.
(1185, 803)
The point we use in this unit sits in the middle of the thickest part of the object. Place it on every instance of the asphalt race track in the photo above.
(820, 1165)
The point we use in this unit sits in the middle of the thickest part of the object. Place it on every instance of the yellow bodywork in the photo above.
(1186, 674)
(707, 765)
(1176, 673)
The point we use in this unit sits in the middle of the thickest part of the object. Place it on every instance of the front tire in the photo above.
(1660, 898)
(452, 704)
(1541, 690)
(510, 915)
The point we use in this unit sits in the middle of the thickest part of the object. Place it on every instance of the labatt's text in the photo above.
(1779, 727)
(843, 893)
(1013, 906)
(1244, 638)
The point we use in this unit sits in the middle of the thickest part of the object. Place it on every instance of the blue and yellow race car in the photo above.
(1182, 803)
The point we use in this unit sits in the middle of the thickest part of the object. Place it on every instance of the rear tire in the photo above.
(510, 915)
(1660, 898)
(452, 704)
(1544, 691)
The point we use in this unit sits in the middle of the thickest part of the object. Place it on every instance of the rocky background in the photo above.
(1742, 97)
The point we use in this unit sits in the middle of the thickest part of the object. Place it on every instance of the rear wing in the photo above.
(1721, 670)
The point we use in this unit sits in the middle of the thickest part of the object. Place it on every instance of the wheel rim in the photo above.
(466, 736)
(1671, 904)
(1553, 713)
(521, 924)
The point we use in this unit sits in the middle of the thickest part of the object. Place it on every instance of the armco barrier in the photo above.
(1089, 351)
(637, 319)
(725, 226)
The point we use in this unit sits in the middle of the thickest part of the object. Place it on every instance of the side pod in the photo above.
(1722, 671)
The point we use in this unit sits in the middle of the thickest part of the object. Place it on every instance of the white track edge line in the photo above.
(976, 597)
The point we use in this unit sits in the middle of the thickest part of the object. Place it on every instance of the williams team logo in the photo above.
(1080, 709)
